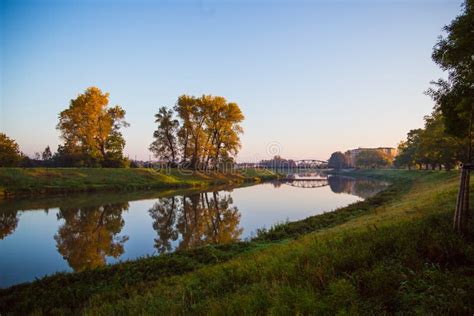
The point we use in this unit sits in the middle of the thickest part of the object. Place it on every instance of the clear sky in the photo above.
(311, 77)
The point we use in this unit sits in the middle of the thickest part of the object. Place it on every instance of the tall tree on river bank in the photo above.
(10, 155)
(91, 131)
(455, 97)
(431, 147)
(165, 144)
(205, 134)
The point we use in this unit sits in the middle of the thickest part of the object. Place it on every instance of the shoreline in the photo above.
(38, 182)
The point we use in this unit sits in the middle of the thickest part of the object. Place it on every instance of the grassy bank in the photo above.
(392, 253)
(42, 181)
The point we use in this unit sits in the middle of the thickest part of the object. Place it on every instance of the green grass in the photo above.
(394, 253)
(37, 181)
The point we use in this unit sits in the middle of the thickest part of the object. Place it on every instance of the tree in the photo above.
(91, 131)
(10, 154)
(437, 147)
(165, 144)
(454, 54)
(455, 97)
(338, 161)
(372, 159)
(192, 112)
(47, 155)
(205, 133)
(223, 129)
(430, 146)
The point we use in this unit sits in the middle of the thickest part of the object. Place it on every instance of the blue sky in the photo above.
(311, 77)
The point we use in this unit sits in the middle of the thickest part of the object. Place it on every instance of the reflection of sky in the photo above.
(30, 251)
(267, 205)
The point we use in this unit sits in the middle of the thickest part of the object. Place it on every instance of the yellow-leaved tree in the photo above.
(91, 131)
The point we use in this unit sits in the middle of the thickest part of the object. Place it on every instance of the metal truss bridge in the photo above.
(307, 183)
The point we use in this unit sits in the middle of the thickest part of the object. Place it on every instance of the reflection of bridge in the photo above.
(289, 164)
(310, 161)
(307, 183)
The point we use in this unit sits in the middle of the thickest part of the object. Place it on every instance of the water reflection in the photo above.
(363, 188)
(196, 220)
(8, 222)
(80, 232)
(89, 234)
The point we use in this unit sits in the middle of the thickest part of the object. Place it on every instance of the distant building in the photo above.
(352, 154)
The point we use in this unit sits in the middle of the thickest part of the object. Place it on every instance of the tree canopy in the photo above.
(10, 155)
(199, 132)
(91, 131)
(454, 53)
(372, 159)
(431, 146)
(338, 161)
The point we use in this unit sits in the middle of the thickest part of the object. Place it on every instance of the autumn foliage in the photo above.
(91, 131)
(199, 132)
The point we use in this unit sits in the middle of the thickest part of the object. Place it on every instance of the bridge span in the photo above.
(306, 183)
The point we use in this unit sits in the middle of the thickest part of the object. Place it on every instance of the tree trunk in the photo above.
(462, 203)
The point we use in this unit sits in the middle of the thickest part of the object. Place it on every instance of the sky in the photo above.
(311, 77)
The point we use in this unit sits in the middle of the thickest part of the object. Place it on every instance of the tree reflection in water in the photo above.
(197, 219)
(8, 222)
(363, 188)
(89, 234)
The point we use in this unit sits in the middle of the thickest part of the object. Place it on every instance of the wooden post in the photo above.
(461, 215)
(462, 205)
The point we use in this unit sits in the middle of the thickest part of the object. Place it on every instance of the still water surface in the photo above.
(43, 236)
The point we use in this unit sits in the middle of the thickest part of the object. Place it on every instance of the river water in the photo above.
(71, 233)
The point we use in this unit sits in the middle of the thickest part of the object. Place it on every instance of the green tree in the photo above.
(454, 54)
(91, 131)
(10, 155)
(47, 155)
(455, 97)
(405, 156)
(338, 161)
(165, 145)
(437, 147)
(371, 159)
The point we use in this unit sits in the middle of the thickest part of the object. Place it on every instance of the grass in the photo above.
(43, 181)
(394, 253)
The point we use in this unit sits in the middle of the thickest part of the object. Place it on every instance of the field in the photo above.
(41, 181)
(393, 253)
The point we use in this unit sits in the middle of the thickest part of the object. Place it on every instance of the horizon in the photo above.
(310, 78)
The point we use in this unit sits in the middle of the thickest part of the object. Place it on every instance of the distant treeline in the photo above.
(363, 158)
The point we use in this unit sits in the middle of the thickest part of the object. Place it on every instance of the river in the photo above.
(81, 231)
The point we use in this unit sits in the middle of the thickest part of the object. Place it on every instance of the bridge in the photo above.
(310, 161)
(307, 183)
(289, 164)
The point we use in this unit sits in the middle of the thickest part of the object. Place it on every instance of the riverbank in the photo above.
(391, 253)
(21, 182)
